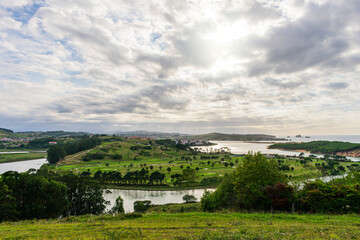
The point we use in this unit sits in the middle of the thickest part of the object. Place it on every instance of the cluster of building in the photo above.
(143, 138)
(16, 140)
(194, 142)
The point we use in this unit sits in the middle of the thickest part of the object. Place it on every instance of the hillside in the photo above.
(234, 137)
(5, 132)
(188, 226)
(54, 134)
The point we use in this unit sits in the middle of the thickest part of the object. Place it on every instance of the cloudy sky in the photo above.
(267, 66)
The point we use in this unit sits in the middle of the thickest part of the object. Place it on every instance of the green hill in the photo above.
(234, 137)
(5, 132)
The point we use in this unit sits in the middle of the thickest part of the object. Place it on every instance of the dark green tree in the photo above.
(252, 176)
(189, 198)
(118, 207)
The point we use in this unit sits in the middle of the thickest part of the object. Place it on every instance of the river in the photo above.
(156, 197)
(129, 196)
(159, 197)
(22, 166)
(240, 147)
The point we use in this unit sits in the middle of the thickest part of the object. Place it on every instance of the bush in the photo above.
(132, 215)
(189, 198)
(142, 206)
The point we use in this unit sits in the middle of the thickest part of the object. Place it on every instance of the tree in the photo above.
(189, 198)
(189, 175)
(34, 196)
(151, 167)
(169, 169)
(85, 196)
(223, 197)
(252, 176)
(118, 207)
(142, 206)
(55, 154)
(7, 203)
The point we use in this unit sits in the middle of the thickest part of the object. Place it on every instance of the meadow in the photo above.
(134, 154)
(194, 225)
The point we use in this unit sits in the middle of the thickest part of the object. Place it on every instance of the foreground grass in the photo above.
(188, 226)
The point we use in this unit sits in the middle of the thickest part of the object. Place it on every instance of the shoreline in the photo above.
(156, 188)
(20, 160)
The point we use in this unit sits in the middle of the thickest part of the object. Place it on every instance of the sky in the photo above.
(278, 67)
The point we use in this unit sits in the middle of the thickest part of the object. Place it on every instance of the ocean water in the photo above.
(341, 138)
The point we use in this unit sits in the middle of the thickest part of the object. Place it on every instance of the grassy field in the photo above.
(14, 157)
(160, 158)
(188, 226)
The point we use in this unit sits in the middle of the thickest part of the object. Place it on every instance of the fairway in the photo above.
(129, 155)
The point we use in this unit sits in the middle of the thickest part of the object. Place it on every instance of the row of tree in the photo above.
(142, 177)
(59, 151)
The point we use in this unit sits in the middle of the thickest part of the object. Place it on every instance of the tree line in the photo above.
(142, 177)
(45, 194)
(326, 147)
(59, 151)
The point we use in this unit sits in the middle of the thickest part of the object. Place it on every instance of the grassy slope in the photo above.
(158, 158)
(189, 226)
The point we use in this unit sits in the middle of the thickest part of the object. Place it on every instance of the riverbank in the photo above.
(194, 225)
(156, 188)
(19, 157)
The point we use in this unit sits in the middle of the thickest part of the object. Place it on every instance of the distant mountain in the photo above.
(143, 133)
(6, 131)
(235, 137)
(54, 133)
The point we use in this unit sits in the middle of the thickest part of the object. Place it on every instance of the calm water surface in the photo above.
(156, 197)
(240, 147)
(22, 166)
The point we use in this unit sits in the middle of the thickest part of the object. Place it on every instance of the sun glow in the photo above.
(228, 33)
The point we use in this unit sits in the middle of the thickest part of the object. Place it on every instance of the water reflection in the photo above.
(156, 197)
(22, 166)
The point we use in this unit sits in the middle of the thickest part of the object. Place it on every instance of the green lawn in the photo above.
(188, 226)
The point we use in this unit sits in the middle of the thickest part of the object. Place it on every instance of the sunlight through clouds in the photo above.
(236, 66)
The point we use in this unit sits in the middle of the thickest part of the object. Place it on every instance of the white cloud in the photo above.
(242, 66)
